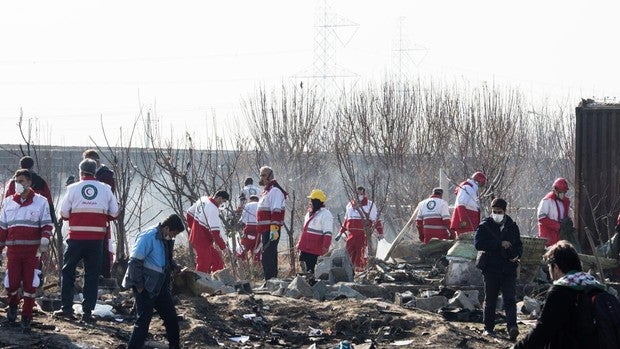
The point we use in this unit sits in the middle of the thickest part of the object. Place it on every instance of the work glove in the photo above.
(274, 234)
(44, 245)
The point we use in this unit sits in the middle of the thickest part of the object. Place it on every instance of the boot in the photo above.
(88, 318)
(26, 322)
(11, 315)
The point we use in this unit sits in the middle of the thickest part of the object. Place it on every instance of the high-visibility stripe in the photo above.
(93, 229)
(430, 226)
(29, 295)
(28, 222)
(23, 242)
(90, 210)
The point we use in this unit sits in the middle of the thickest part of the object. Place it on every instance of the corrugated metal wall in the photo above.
(597, 169)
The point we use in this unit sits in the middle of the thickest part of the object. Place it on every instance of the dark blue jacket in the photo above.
(488, 238)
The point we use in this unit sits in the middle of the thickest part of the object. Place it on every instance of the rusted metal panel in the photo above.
(597, 169)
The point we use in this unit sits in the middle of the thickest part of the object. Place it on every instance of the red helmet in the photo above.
(480, 177)
(560, 184)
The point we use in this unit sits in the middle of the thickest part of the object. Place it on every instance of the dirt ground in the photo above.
(268, 322)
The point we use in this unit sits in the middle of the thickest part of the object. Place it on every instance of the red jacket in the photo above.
(271, 207)
(39, 185)
(551, 211)
(203, 220)
(316, 235)
(23, 224)
(433, 219)
(357, 217)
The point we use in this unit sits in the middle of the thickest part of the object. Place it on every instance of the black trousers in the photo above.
(493, 284)
(270, 256)
(310, 260)
(88, 251)
(144, 313)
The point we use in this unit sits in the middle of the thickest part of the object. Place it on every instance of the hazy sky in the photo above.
(69, 63)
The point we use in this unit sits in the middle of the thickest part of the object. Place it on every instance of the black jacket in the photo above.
(558, 326)
(488, 238)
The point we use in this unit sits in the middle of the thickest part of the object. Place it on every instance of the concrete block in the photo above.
(431, 303)
(463, 273)
(343, 291)
(334, 268)
(320, 289)
(225, 276)
(371, 290)
(273, 285)
(299, 288)
(460, 300)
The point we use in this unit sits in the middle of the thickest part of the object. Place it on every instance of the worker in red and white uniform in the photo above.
(25, 229)
(553, 208)
(466, 215)
(39, 185)
(250, 239)
(106, 175)
(316, 235)
(249, 189)
(433, 219)
(203, 220)
(361, 215)
(88, 206)
(270, 219)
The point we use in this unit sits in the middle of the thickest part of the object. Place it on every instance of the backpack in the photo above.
(600, 313)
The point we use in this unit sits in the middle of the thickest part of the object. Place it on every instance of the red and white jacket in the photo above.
(271, 207)
(551, 211)
(316, 235)
(203, 219)
(466, 215)
(248, 217)
(88, 206)
(433, 219)
(23, 224)
(359, 216)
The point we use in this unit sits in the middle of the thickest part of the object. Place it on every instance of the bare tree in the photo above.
(129, 188)
(288, 130)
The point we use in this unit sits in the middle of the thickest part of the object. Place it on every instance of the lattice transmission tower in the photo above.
(331, 32)
(406, 55)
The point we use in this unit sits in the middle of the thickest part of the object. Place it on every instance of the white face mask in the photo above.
(360, 197)
(561, 196)
(497, 217)
(19, 188)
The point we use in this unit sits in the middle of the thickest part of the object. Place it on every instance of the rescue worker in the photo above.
(316, 235)
(466, 215)
(203, 218)
(105, 175)
(433, 219)
(270, 219)
(39, 185)
(552, 210)
(250, 239)
(248, 190)
(25, 228)
(88, 205)
(361, 215)
(148, 275)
